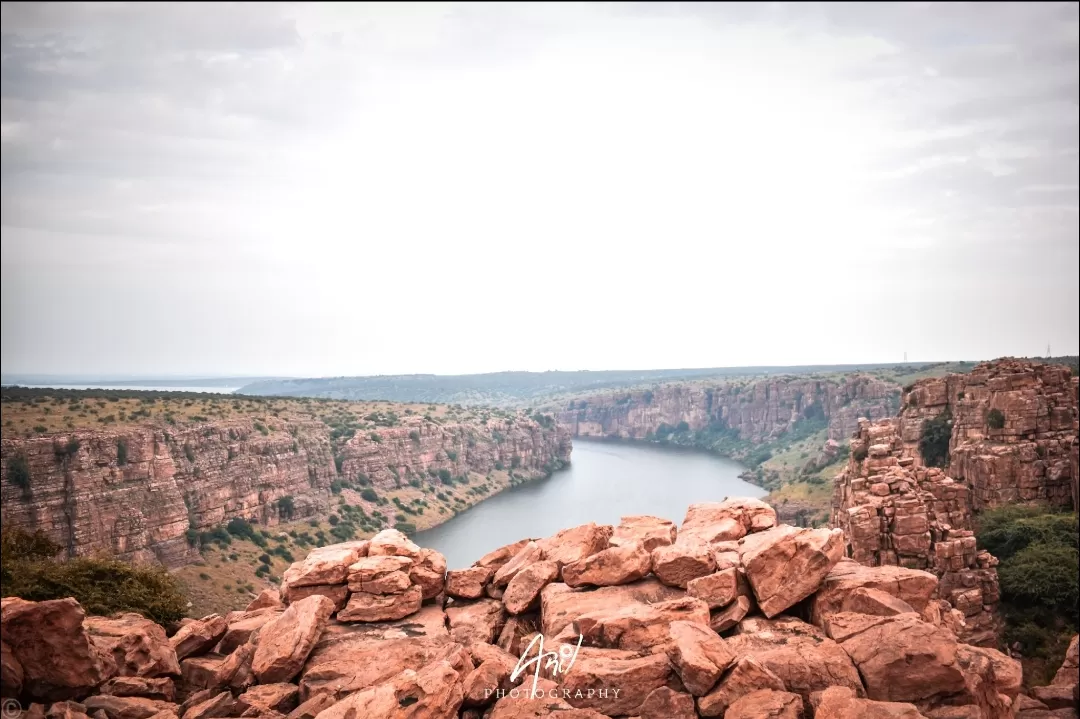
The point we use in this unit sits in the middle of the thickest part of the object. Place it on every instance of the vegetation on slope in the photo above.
(30, 569)
(1039, 575)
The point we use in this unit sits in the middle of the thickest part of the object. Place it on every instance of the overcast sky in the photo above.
(332, 189)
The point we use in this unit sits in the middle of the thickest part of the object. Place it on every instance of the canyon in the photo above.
(730, 614)
(139, 492)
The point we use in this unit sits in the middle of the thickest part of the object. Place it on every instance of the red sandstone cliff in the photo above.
(200, 476)
(760, 410)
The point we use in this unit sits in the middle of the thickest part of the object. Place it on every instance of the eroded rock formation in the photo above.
(842, 640)
(196, 477)
(758, 411)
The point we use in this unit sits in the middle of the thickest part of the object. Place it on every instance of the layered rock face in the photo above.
(729, 616)
(759, 411)
(897, 513)
(1014, 430)
(196, 477)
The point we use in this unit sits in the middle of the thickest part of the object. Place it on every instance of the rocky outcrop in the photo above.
(645, 648)
(756, 411)
(176, 480)
(1014, 430)
(895, 512)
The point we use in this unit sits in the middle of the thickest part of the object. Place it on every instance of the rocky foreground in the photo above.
(728, 616)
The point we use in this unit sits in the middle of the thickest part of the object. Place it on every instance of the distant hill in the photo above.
(511, 388)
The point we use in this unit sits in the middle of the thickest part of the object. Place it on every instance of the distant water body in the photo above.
(606, 480)
(155, 388)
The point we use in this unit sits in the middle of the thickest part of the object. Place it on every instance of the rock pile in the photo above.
(729, 616)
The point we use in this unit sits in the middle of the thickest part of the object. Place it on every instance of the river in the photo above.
(605, 481)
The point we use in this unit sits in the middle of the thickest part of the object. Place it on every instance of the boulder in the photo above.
(901, 658)
(218, 705)
(285, 643)
(799, 653)
(127, 707)
(498, 557)
(134, 645)
(766, 704)
(786, 564)
(677, 564)
(729, 520)
(1069, 673)
(11, 672)
(280, 697)
(576, 543)
(841, 703)
(560, 605)
(718, 589)
(432, 692)
(199, 636)
(912, 586)
(67, 710)
(468, 583)
(366, 607)
(242, 628)
(151, 688)
(391, 542)
(1005, 673)
(747, 675)
(525, 556)
(698, 655)
(666, 703)
(50, 643)
(428, 572)
(1056, 696)
(636, 627)
(236, 671)
(336, 593)
(325, 565)
(199, 672)
(380, 575)
(524, 589)
(482, 683)
(650, 532)
(634, 679)
(875, 602)
(477, 621)
(620, 564)
(522, 703)
(266, 599)
(731, 615)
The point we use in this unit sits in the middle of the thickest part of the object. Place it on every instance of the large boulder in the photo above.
(431, 692)
(392, 543)
(650, 532)
(787, 564)
(698, 655)
(325, 565)
(725, 521)
(127, 707)
(799, 653)
(468, 583)
(11, 672)
(746, 676)
(636, 627)
(524, 589)
(477, 621)
(730, 616)
(243, 627)
(766, 704)
(901, 658)
(380, 574)
(336, 593)
(281, 697)
(367, 607)
(593, 680)
(677, 564)
(627, 562)
(428, 572)
(1069, 673)
(911, 586)
(51, 645)
(528, 554)
(560, 605)
(718, 589)
(266, 599)
(134, 646)
(841, 703)
(161, 688)
(498, 557)
(285, 643)
(198, 636)
(577, 543)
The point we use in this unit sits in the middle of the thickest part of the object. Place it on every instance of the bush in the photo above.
(406, 528)
(414, 436)
(934, 442)
(101, 585)
(286, 507)
(374, 437)
(121, 452)
(18, 471)
(995, 419)
(369, 494)
(189, 453)
(1042, 576)
(860, 452)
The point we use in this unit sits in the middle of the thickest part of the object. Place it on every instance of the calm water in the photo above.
(605, 481)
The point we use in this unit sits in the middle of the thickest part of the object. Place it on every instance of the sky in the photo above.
(335, 189)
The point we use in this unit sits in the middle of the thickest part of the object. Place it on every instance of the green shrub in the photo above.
(286, 507)
(414, 436)
(934, 442)
(261, 428)
(121, 452)
(374, 437)
(406, 528)
(18, 471)
(995, 419)
(101, 585)
(189, 453)
(369, 494)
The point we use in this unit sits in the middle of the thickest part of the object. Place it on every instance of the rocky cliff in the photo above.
(1014, 430)
(137, 492)
(729, 615)
(756, 410)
